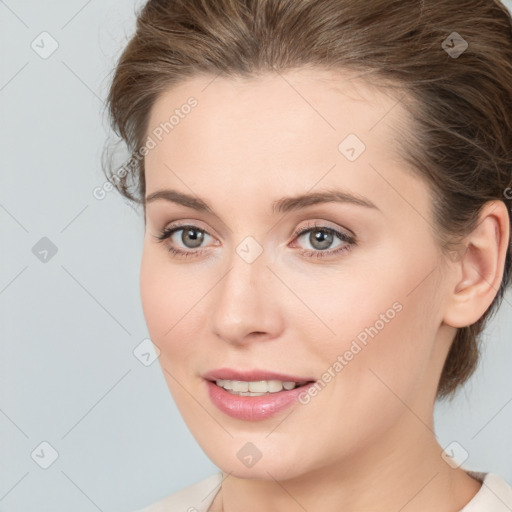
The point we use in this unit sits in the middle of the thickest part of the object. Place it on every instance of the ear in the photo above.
(477, 274)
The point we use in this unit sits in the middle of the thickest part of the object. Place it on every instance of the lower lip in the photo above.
(253, 408)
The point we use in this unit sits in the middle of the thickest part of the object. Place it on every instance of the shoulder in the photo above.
(194, 498)
(495, 495)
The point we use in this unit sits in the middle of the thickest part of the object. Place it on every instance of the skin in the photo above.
(366, 441)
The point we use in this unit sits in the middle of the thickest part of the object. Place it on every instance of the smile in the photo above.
(256, 388)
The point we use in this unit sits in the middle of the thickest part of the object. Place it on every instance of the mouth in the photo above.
(254, 395)
(258, 387)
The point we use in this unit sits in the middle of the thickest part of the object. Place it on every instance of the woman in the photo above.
(325, 187)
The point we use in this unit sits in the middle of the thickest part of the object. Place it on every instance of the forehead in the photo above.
(247, 142)
(274, 114)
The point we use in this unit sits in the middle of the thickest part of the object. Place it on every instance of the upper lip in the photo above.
(251, 375)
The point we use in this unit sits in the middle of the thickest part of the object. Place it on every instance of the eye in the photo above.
(321, 238)
(191, 237)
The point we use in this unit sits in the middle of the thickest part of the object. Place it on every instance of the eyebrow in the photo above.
(282, 205)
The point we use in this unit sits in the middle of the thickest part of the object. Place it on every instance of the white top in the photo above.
(495, 495)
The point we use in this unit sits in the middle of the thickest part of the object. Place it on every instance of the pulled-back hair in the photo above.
(459, 98)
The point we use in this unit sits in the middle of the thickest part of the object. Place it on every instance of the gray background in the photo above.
(70, 324)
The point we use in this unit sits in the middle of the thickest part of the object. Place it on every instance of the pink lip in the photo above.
(252, 408)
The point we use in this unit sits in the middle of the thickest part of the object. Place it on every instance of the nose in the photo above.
(246, 303)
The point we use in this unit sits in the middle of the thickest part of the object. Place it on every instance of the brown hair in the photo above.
(460, 101)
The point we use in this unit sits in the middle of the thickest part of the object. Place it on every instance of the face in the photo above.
(340, 294)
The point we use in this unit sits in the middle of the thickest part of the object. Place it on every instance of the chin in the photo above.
(260, 471)
(256, 460)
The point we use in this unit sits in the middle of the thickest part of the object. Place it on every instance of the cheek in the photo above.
(174, 304)
(152, 294)
(163, 304)
(383, 366)
(384, 324)
(166, 291)
(163, 296)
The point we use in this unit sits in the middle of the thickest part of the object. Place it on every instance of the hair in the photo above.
(460, 104)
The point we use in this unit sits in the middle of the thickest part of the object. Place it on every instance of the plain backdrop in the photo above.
(85, 425)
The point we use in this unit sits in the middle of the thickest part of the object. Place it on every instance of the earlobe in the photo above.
(479, 270)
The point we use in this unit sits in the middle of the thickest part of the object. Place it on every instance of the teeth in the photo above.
(255, 388)
(265, 386)
(240, 386)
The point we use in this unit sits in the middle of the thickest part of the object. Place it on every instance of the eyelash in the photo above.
(348, 239)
